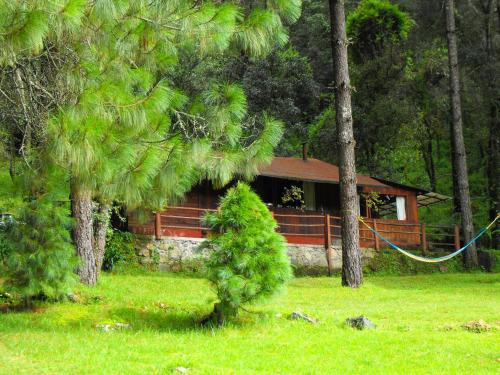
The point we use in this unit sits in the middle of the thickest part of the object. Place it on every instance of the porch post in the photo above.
(424, 238)
(157, 226)
(457, 237)
(377, 240)
(328, 244)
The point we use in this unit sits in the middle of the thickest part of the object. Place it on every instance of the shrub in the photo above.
(247, 259)
(489, 259)
(40, 261)
(4, 249)
(390, 262)
(120, 250)
(376, 24)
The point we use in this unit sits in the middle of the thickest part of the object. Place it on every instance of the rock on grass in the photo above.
(112, 327)
(360, 323)
(299, 316)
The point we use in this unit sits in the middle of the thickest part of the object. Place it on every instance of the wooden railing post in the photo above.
(328, 244)
(158, 226)
(424, 238)
(377, 240)
(457, 237)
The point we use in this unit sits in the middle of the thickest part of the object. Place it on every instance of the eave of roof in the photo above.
(430, 198)
(418, 190)
(311, 169)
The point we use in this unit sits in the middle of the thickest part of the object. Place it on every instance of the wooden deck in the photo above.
(306, 227)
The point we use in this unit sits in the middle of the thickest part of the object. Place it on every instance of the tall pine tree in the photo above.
(120, 127)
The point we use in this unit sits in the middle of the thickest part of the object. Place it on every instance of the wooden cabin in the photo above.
(389, 207)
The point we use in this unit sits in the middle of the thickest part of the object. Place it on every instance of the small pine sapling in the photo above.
(247, 259)
(41, 262)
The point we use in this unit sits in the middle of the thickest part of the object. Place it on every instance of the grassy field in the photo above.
(419, 330)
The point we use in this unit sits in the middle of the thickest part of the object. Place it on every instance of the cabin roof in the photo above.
(313, 170)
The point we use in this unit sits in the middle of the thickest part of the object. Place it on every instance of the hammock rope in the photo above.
(431, 260)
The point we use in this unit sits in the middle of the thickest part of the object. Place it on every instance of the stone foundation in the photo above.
(177, 253)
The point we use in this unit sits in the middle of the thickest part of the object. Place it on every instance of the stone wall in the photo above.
(178, 253)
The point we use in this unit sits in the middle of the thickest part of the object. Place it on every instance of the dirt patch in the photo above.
(477, 326)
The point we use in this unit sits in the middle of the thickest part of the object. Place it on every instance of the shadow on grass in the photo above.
(158, 320)
(20, 308)
(180, 320)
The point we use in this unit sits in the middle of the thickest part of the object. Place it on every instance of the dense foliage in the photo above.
(374, 25)
(92, 89)
(399, 73)
(247, 258)
(41, 260)
(120, 251)
(4, 249)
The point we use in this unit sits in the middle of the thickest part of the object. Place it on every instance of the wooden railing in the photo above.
(310, 227)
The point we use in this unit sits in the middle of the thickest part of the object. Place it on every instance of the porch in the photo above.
(307, 227)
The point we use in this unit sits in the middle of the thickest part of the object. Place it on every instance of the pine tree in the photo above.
(460, 175)
(352, 274)
(248, 260)
(122, 129)
(41, 261)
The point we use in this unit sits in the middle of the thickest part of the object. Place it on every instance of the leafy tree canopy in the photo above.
(375, 24)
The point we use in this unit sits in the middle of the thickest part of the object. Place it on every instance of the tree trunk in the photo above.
(83, 236)
(459, 159)
(101, 225)
(21, 90)
(493, 157)
(428, 155)
(352, 274)
(494, 172)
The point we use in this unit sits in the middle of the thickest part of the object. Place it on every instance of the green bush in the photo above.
(376, 24)
(390, 262)
(247, 259)
(489, 259)
(4, 250)
(120, 251)
(40, 261)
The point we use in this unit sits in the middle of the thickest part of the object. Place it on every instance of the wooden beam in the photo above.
(424, 238)
(328, 244)
(457, 237)
(377, 240)
(158, 226)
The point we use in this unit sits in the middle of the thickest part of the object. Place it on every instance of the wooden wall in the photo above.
(298, 226)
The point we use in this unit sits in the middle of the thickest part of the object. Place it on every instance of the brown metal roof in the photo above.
(311, 170)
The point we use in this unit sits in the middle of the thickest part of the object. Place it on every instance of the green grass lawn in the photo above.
(419, 330)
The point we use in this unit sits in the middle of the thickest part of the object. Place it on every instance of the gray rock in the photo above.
(360, 322)
(103, 327)
(73, 298)
(299, 316)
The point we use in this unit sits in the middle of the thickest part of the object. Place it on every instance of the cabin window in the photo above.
(309, 195)
(389, 207)
(401, 208)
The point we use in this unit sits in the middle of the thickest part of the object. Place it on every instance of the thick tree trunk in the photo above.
(352, 274)
(101, 225)
(83, 236)
(490, 92)
(494, 172)
(460, 159)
